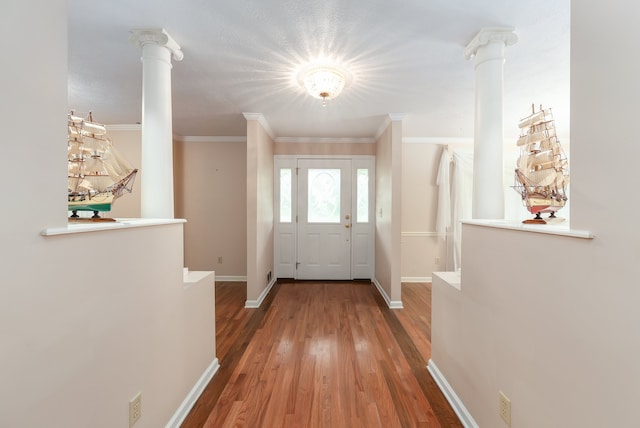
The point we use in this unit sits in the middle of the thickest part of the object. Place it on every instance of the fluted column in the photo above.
(488, 48)
(157, 132)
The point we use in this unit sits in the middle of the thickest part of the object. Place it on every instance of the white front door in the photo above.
(324, 219)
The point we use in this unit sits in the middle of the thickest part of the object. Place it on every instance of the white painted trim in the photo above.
(451, 396)
(326, 140)
(385, 123)
(415, 279)
(550, 229)
(262, 121)
(124, 127)
(191, 398)
(211, 139)
(120, 223)
(253, 304)
(392, 304)
(397, 116)
(349, 157)
(420, 234)
(231, 278)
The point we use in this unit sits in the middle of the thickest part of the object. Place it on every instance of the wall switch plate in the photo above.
(135, 409)
(219, 259)
(505, 408)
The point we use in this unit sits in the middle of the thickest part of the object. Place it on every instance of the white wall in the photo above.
(86, 320)
(552, 321)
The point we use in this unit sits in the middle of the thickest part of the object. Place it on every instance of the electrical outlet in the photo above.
(437, 260)
(505, 408)
(135, 409)
(220, 259)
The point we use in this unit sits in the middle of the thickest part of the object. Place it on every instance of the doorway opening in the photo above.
(324, 213)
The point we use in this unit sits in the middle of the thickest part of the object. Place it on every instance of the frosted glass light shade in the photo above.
(324, 83)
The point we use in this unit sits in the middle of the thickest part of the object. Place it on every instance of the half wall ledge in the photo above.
(120, 223)
(549, 229)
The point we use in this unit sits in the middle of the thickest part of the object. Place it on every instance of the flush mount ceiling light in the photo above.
(324, 82)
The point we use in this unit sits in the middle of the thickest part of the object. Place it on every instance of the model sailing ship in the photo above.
(542, 173)
(97, 173)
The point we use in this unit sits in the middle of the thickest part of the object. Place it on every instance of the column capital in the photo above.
(485, 36)
(158, 36)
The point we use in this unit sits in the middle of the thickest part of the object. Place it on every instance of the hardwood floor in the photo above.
(416, 315)
(321, 354)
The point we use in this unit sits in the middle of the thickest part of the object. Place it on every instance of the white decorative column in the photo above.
(488, 190)
(156, 171)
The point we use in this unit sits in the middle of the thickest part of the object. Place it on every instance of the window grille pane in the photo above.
(362, 191)
(285, 195)
(324, 196)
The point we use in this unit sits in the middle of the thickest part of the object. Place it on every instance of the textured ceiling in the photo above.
(241, 56)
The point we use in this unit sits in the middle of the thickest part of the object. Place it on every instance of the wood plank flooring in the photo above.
(320, 354)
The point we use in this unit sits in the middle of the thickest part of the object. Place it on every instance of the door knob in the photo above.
(347, 225)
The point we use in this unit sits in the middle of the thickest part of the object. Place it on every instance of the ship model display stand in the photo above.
(542, 174)
(97, 173)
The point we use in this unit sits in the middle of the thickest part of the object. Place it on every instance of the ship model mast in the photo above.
(541, 175)
(97, 173)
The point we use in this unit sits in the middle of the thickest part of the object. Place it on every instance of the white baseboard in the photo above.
(415, 279)
(392, 304)
(231, 278)
(451, 396)
(191, 398)
(252, 304)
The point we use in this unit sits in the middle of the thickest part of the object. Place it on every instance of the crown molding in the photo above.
(262, 121)
(391, 117)
(326, 140)
(211, 139)
(385, 123)
(397, 116)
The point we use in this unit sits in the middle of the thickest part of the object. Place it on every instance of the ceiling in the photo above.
(241, 56)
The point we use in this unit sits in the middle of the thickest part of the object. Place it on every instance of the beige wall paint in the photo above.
(388, 208)
(326, 149)
(562, 342)
(86, 320)
(211, 186)
(420, 246)
(259, 209)
(210, 192)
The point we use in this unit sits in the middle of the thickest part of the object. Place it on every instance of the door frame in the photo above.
(285, 233)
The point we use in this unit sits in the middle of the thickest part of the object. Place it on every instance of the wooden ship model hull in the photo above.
(101, 202)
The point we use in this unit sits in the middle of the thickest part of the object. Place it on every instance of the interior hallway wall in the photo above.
(259, 223)
(552, 320)
(211, 194)
(420, 244)
(88, 319)
(388, 210)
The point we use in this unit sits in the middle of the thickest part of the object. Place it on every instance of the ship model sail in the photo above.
(541, 175)
(97, 173)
